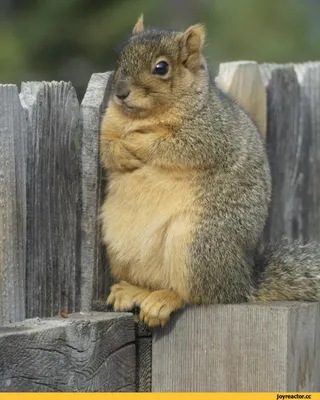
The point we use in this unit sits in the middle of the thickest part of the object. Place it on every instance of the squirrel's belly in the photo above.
(147, 223)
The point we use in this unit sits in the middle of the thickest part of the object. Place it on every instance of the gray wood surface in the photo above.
(94, 272)
(144, 364)
(143, 349)
(309, 79)
(92, 352)
(144, 355)
(53, 194)
(288, 141)
(13, 134)
(293, 144)
(266, 71)
(239, 348)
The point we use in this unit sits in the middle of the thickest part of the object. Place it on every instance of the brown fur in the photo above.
(152, 253)
(189, 182)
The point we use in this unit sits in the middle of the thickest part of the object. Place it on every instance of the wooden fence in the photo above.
(55, 331)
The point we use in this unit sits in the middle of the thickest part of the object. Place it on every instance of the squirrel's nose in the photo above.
(122, 95)
(122, 90)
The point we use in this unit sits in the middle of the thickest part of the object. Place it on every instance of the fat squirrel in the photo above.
(189, 188)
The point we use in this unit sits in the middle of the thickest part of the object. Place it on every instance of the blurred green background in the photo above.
(71, 39)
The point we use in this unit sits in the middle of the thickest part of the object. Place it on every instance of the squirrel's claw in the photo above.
(155, 310)
(155, 307)
(119, 299)
(124, 297)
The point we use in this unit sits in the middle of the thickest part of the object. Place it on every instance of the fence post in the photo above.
(53, 194)
(287, 152)
(239, 348)
(93, 352)
(13, 135)
(309, 79)
(294, 150)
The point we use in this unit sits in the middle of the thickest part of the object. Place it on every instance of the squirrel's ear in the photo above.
(193, 40)
(139, 27)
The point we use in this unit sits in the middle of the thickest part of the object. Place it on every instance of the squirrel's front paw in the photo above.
(155, 310)
(124, 297)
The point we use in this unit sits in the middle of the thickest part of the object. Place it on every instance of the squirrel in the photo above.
(189, 188)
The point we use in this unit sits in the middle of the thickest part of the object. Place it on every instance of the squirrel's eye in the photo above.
(161, 68)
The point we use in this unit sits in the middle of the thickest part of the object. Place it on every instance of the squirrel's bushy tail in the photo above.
(288, 272)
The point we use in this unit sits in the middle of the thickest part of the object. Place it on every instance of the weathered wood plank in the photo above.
(85, 353)
(309, 79)
(239, 348)
(285, 145)
(94, 272)
(53, 194)
(243, 82)
(294, 151)
(13, 135)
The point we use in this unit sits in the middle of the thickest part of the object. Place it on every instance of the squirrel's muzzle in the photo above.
(122, 90)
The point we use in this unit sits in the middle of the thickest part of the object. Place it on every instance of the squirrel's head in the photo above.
(157, 70)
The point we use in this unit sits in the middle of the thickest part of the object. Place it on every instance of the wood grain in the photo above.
(293, 145)
(308, 75)
(13, 134)
(143, 349)
(144, 355)
(94, 271)
(239, 348)
(287, 146)
(144, 364)
(53, 199)
(92, 352)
